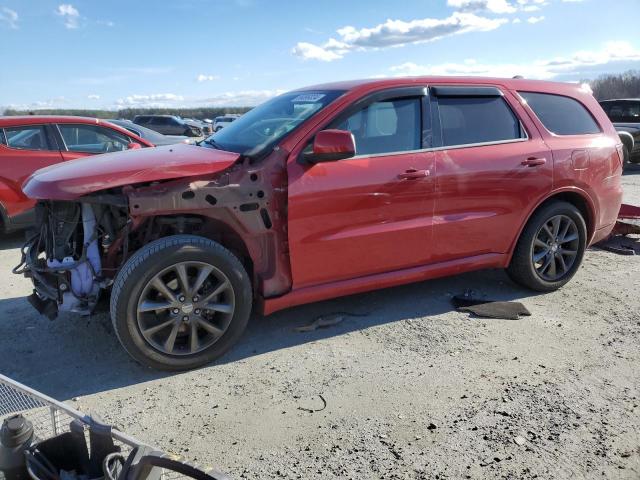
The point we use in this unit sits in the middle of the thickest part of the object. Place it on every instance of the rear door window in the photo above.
(3, 138)
(473, 120)
(386, 126)
(92, 139)
(28, 137)
(561, 115)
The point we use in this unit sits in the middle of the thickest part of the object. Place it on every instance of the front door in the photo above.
(371, 213)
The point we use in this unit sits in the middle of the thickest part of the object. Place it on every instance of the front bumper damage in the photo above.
(63, 260)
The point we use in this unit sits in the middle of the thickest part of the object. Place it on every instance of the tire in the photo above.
(525, 271)
(157, 264)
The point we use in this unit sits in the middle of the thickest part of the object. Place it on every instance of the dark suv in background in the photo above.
(625, 116)
(168, 125)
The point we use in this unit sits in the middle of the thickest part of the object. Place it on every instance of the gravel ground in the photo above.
(412, 389)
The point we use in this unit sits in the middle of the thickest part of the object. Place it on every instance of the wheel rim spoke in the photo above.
(203, 274)
(563, 265)
(161, 287)
(154, 306)
(209, 327)
(183, 279)
(555, 222)
(571, 238)
(170, 343)
(570, 253)
(539, 256)
(194, 342)
(220, 307)
(157, 328)
(217, 291)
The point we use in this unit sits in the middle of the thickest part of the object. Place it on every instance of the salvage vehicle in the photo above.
(223, 121)
(625, 115)
(32, 142)
(168, 125)
(152, 136)
(323, 192)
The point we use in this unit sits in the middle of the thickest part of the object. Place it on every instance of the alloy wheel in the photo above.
(185, 308)
(555, 248)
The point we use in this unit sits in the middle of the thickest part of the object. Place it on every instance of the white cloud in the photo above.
(395, 33)
(497, 6)
(106, 23)
(541, 69)
(9, 17)
(494, 6)
(516, 20)
(534, 20)
(70, 15)
(93, 97)
(155, 100)
(207, 78)
(170, 100)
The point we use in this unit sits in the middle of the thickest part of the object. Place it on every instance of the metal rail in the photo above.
(72, 412)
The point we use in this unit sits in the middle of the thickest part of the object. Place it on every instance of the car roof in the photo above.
(37, 119)
(521, 84)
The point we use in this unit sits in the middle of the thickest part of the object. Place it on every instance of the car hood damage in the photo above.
(71, 180)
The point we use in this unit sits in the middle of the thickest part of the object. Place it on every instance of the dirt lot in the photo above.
(412, 389)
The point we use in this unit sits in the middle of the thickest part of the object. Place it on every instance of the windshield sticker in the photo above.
(308, 97)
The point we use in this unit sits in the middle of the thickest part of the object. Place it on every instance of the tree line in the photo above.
(129, 113)
(623, 85)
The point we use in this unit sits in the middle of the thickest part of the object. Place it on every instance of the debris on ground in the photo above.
(312, 410)
(329, 320)
(489, 308)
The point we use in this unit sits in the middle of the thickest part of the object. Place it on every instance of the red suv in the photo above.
(322, 192)
(30, 143)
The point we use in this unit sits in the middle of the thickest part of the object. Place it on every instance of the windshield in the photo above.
(268, 123)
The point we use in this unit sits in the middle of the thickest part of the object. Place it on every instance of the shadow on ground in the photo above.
(73, 356)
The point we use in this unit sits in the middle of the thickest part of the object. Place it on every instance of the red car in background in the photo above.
(33, 142)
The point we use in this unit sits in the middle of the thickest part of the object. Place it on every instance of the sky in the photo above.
(182, 53)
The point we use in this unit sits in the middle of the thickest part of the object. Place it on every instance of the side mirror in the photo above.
(332, 145)
(133, 146)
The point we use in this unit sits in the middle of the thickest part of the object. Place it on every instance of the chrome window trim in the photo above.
(438, 149)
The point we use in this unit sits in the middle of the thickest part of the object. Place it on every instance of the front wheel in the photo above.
(550, 249)
(180, 302)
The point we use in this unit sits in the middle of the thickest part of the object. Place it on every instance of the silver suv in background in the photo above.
(169, 125)
(224, 120)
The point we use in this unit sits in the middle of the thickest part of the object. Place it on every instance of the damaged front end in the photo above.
(63, 258)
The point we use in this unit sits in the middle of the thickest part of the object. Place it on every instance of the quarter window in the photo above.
(92, 139)
(386, 126)
(561, 115)
(471, 120)
(32, 137)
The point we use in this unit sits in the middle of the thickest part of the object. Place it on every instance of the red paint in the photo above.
(369, 222)
(74, 179)
(17, 164)
(333, 142)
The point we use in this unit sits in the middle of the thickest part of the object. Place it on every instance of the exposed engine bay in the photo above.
(64, 256)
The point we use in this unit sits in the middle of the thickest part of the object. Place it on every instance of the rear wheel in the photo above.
(180, 302)
(550, 249)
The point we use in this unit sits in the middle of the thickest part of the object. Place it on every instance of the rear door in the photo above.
(371, 213)
(492, 167)
(23, 150)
